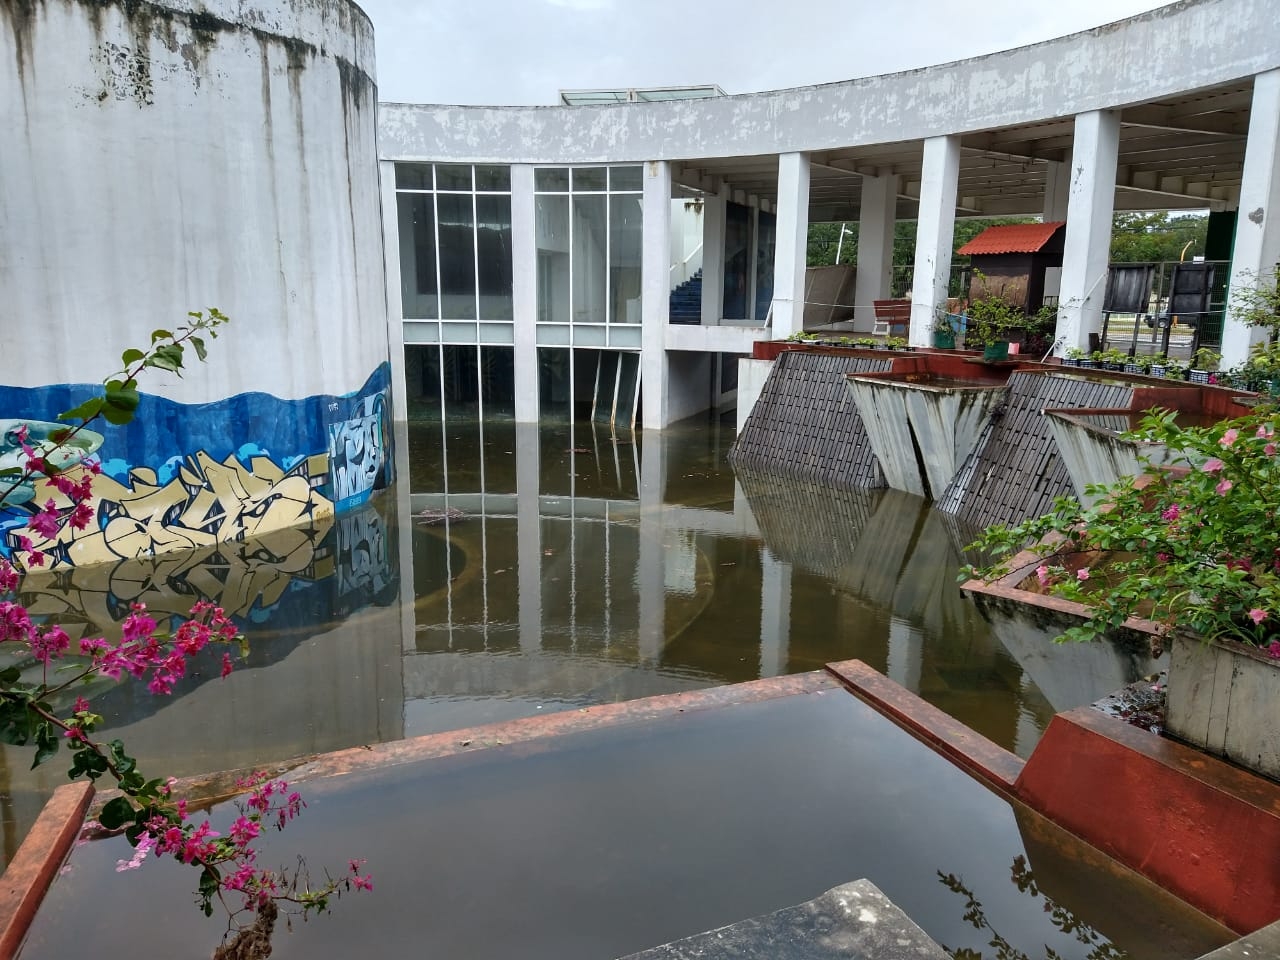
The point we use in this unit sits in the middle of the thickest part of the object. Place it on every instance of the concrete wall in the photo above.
(161, 157)
(688, 384)
(1180, 47)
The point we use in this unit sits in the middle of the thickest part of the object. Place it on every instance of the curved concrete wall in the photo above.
(173, 155)
(1181, 47)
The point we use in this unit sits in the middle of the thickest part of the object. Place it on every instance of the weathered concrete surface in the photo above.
(1095, 454)
(853, 921)
(1222, 698)
(1259, 945)
(939, 421)
(1185, 46)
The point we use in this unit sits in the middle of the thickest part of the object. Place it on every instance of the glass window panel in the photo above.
(421, 331)
(737, 248)
(626, 236)
(457, 257)
(590, 178)
(766, 241)
(497, 333)
(461, 380)
(493, 257)
(553, 384)
(413, 176)
(498, 385)
(554, 334)
(551, 226)
(590, 258)
(606, 375)
(453, 176)
(417, 256)
(458, 332)
(624, 336)
(552, 179)
(626, 178)
(422, 381)
(493, 178)
(585, 335)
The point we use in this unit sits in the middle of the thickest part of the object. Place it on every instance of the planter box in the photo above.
(1222, 698)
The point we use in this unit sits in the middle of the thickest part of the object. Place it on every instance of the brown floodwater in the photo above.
(516, 571)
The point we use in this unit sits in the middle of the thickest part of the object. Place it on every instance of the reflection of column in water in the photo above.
(906, 649)
(775, 614)
(529, 537)
(649, 574)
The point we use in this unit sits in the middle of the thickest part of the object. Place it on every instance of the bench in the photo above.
(893, 318)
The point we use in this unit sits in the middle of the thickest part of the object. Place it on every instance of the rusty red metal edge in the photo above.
(969, 750)
(27, 878)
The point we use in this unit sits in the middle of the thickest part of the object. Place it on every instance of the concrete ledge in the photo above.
(27, 878)
(1256, 946)
(853, 921)
(970, 751)
(1204, 830)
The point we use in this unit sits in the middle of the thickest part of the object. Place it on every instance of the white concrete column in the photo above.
(905, 654)
(1090, 205)
(935, 233)
(714, 211)
(655, 293)
(1055, 210)
(775, 614)
(524, 292)
(792, 249)
(876, 220)
(1257, 246)
(528, 537)
(395, 305)
(753, 253)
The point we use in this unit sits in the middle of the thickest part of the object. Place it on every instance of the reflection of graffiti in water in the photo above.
(205, 503)
(358, 453)
(247, 578)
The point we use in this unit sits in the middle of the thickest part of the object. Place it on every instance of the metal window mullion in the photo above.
(608, 255)
(475, 253)
(435, 225)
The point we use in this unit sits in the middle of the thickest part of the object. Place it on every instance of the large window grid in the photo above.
(455, 252)
(589, 226)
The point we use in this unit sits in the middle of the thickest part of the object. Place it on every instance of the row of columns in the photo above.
(1081, 192)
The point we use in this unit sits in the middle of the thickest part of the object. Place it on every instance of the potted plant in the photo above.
(1191, 552)
(944, 333)
(1175, 369)
(1158, 365)
(992, 321)
(1112, 359)
(866, 343)
(1203, 363)
(1074, 356)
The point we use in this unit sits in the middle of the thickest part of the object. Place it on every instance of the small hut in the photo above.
(1010, 261)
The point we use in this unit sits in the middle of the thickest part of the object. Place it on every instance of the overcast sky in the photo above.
(525, 51)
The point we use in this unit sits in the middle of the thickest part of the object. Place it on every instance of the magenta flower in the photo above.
(1082, 574)
(1229, 437)
(1269, 449)
(1171, 513)
(1257, 616)
(1042, 574)
(1212, 465)
(1273, 650)
(1223, 486)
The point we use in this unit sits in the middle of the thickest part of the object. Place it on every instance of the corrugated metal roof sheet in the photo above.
(1012, 238)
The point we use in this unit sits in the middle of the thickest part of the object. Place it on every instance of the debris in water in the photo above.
(432, 516)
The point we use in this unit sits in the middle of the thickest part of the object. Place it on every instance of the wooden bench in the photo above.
(893, 318)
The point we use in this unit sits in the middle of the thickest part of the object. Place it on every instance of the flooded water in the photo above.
(523, 570)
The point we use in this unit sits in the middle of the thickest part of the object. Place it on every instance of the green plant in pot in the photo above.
(1203, 363)
(993, 321)
(944, 333)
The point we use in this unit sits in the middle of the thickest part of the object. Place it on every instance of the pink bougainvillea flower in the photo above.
(1042, 574)
(1257, 616)
(1273, 650)
(1223, 486)
(226, 665)
(1269, 449)
(1265, 430)
(1229, 437)
(1082, 573)
(1212, 465)
(1171, 513)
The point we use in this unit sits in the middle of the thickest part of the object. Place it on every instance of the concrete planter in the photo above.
(1222, 698)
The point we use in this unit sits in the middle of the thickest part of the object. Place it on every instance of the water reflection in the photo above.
(534, 569)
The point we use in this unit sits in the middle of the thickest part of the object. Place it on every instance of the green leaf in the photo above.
(168, 357)
(157, 335)
(117, 416)
(116, 813)
(199, 345)
(132, 356)
(86, 411)
(9, 675)
(47, 742)
(123, 396)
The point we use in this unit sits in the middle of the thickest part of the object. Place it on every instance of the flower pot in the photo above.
(1071, 361)
(944, 341)
(1222, 698)
(1157, 370)
(1087, 364)
(1199, 376)
(995, 352)
(1132, 368)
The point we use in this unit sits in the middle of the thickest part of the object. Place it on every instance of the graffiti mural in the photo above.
(358, 454)
(187, 477)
